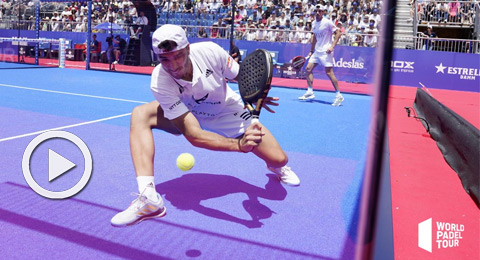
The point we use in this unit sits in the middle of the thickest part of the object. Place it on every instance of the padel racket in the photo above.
(298, 62)
(254, 79)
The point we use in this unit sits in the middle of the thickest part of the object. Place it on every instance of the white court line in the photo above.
(73, 94)
(63, 127)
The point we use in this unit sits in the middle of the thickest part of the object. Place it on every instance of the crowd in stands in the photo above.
(259, 20)
(453, 12)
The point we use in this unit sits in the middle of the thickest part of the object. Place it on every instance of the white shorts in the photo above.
(326, 59)
(231, 124)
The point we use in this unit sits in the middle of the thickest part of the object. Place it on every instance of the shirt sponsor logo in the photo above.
(229, 62)
(175, 105)
(198, 101)
(463, 73)
(352, 64)
(402, 66)
(208, 73)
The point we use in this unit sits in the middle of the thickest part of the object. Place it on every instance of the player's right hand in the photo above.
(252, 137)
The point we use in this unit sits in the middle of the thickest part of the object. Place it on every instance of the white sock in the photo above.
(147, 183)
(310, 90)
(338, 93)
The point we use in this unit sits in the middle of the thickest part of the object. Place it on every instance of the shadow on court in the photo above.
(188, 192)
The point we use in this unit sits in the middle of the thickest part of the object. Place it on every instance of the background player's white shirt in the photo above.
(207, 95)
(323, 30)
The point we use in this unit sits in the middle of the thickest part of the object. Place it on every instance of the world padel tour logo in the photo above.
(447, 235)
(464, 73)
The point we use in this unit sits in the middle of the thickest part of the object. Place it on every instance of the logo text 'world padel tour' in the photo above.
(446, 235)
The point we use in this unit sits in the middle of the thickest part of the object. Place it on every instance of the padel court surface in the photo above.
(229, 206)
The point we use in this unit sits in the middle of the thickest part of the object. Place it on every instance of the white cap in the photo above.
(169, 32)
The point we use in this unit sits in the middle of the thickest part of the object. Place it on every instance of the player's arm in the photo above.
(188, 125)
(338, 33)
(314, 42)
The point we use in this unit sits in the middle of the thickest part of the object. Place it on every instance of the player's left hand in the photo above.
(270, 101)
(330, 50)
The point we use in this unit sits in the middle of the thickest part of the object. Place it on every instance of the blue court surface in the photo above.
(229, 206)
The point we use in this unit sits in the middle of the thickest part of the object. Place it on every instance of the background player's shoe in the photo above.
(140, 209)
(286, 175)
(338, 100)
(307, 96)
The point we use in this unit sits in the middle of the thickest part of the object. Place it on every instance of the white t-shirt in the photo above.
(207, 96)
(323, 31)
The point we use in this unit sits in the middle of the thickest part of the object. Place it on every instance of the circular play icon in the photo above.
(57, 165)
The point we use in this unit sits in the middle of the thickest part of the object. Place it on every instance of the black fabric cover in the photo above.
(458, 140)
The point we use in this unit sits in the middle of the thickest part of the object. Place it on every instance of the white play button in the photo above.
(57, 165)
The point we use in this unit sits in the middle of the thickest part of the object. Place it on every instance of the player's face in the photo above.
(176, 63)
(318, 14)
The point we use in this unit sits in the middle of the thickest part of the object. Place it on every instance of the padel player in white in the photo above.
(322, 52)
(193, 99)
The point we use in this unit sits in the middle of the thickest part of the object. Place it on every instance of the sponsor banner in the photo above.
(433, 69)
(442, 70)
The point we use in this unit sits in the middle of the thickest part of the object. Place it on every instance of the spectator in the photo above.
(453, 11)
(261, 33)
(254, 16)
(215, 7)
(202, 7)
(188, 7)
(132, 11)
(81, 26)
(242, 11)
(442, 12)
(141, 21)
(235, 53)
(281, 35)
(215, 31)
(429, 33)
(251, 33)
(110, 54)
(364, 23)
(376, 17)
(430, 11)
(371, 37)
(202, 33)
(120, 46)
(55, 25)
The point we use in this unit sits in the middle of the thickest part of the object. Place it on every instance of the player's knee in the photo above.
(278, 160)
(140, 115)
(309, 69)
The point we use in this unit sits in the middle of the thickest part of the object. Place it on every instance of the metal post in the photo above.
(89, 34)
(37, 29)
(234, 5)
(370, 200)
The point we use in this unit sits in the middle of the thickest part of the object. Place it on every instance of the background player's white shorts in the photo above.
(231, 123)
(323, 58)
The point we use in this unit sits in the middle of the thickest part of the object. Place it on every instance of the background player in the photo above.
(322, 52)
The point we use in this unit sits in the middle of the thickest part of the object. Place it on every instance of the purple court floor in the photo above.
(229, 206)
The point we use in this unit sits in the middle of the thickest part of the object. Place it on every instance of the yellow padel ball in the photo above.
(185, 161)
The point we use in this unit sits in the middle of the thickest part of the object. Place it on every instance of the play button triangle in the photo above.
(57, 165)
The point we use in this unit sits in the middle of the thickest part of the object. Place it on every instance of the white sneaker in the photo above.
(115, 62)
(140, 209)
(338, 100)
(286, 175)
(307, 96)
